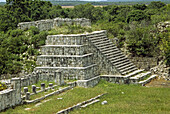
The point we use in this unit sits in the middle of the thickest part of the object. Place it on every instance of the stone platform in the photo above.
(85, 57)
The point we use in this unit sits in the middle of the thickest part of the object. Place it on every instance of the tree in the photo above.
(141, 42)
(156, 5)
(139, 6)
(137, 15)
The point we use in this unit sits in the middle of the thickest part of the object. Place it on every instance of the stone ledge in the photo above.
(88, 83)
(147, 80)
(65, 55)
(50, 94)
(78, 105)
(66, 67)
(64, 45)
(139, 76)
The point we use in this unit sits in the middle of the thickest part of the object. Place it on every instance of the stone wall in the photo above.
(50, 23)
(42, 75)
(162, 71)
(11, 97)
(144, 62)
(69, 53)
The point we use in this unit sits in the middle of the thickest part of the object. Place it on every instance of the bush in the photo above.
(2, 86)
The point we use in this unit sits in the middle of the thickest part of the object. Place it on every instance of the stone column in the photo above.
(27, 97)
(16, 83)
(59, 78)
(34, 89)
(51, 85)
(43, 86)
(25, 90)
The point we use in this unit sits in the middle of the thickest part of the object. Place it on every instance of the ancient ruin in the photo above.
(85, 58)
(48, 24)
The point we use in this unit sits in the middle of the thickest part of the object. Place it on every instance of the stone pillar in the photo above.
(34, 89)
(25, 90)
(51, 85)
(59, 78)
(16, 83)
(27, 97)
(43, 86)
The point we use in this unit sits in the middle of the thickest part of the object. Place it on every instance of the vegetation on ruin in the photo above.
(121, 99)
(18, 50)
(2, 86)
(69, 29)
(135, 26)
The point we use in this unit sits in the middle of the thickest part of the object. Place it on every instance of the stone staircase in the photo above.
(117, 59)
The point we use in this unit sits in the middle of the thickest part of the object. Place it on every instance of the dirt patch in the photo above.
(159, 83)
(67, 6)
(73, 6)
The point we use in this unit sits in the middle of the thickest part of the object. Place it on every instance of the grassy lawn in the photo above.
(121, 99)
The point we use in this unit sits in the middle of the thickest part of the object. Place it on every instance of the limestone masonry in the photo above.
(87, 57)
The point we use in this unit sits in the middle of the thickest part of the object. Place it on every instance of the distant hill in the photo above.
(135, 0)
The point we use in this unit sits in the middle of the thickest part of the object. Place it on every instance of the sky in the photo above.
(2, 0)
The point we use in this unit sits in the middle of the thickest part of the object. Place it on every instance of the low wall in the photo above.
(144, 62)
(115, 79)
(41, 75)
(50, 23)
(11, 97)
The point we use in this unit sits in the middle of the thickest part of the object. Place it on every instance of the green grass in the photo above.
(136, 99)
(41, 94)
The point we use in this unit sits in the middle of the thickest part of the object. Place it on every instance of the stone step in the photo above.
(121, 62)
(101, 42)
(114, 55)
(143, 82)
(140, 76)
(128, 68)
(134, 73)
(103, 47)
(109, 48)
(113, 52)
(108, 51)
(129, 71)
(113, 49)
(125, 66)
(116, 59)
(104, 44)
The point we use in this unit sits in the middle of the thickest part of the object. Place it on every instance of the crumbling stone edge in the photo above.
(78, 105)
(71, 85)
